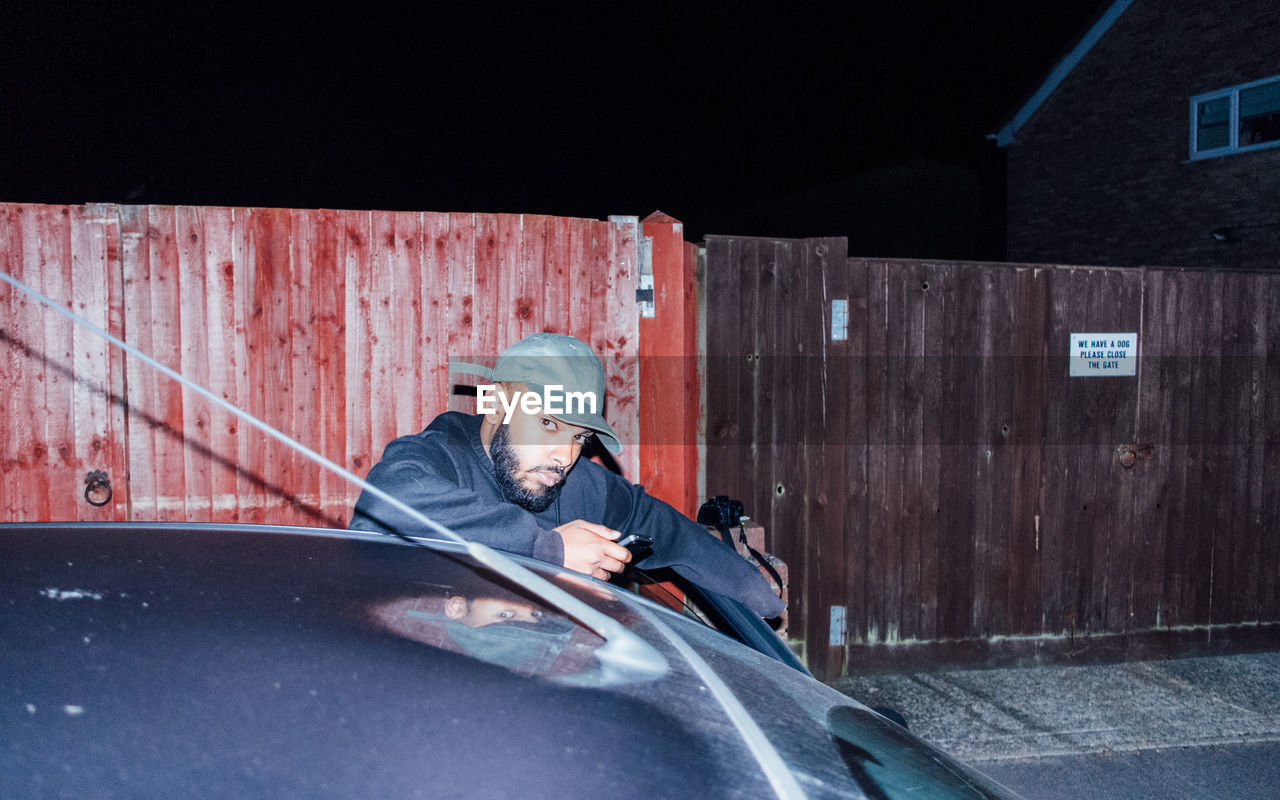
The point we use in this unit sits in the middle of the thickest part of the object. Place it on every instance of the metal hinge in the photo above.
(838, 629)
(644, 294)
(839, 320)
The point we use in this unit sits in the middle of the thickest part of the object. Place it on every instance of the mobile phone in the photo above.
(636, 541)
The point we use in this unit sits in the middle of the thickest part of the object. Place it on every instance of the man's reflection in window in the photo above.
(506, 631)
(481, 611)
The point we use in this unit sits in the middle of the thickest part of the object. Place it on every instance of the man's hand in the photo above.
(589, 548)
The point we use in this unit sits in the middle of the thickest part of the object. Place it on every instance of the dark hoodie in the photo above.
(445, 473)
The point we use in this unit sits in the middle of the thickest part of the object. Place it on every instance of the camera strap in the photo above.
(756, 555)
(721, 512)
(759, 557)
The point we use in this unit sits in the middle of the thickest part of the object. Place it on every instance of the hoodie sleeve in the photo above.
(686, 547)
(423, 477)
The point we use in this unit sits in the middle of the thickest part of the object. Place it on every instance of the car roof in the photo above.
(161, 659)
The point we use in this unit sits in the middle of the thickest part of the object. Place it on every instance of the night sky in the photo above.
(868, 122)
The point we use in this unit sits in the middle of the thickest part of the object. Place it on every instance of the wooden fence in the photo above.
(932, 473)
(936, 475)
(335, 327)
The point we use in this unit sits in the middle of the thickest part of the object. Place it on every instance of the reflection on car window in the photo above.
(658, 588)
(507, 631)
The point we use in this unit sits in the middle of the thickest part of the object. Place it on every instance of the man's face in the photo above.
(532, 455)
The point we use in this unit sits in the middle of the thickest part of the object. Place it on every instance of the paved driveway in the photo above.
(1192, 727)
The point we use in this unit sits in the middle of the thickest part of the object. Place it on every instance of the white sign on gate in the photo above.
(1103, 355)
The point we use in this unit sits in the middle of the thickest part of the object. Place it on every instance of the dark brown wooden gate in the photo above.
(936, 476)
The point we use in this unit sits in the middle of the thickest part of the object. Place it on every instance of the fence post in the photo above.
(668, 370)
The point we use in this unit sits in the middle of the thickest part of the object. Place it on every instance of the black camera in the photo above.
(721, 511)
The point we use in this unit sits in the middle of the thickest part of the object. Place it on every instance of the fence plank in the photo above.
(937, 286)
(767, 338)
(13, 363)
(487, 318)
(507, 280)
(602, 250)
(145, 416)
(1270, 436)
(1027, 431)
(305, 393)
(534, 276)
(992, 544)
(581, 255)
(911, 327)
(558, 260)
(1251, 555)
(724, 357)
(1157, 459)
(1190, 549)
(1116, 302)
(92, 385)
(1230, 572)
(395, 405)
(433, 350)
(250, 483)
(26, 456)
(826, 429)
(692, 365)
(786, 309)
(270, 331)
(321, 273)
(193, 330)
(933, 279)
(117, 387)
(622, 344)
(958, 487)
(884, 389)
(1068, 523)
(762, 465)
(461, 257)
(44, 447)
(383, 338)
(165, 399)
(218, 271)
(1215, 458)
(60, 490)
(857, 474)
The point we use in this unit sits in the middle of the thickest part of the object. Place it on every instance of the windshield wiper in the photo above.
(624, 656)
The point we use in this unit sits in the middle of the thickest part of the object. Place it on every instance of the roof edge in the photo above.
(1005, 136)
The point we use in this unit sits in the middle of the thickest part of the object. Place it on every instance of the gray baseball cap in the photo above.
(545, 360)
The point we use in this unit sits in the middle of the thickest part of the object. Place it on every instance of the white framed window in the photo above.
(1236, 119)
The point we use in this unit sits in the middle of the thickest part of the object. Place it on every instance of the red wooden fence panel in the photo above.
(335, 327)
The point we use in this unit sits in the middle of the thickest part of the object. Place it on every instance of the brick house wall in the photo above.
(1101, 173)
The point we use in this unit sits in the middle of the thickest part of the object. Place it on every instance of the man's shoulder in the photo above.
(449, 434)
(455, 424)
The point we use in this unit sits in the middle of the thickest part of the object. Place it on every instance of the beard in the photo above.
(505, 466)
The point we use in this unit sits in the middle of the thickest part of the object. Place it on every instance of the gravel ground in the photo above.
(1005, 715)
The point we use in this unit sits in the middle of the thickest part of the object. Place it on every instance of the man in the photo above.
(510, 477)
